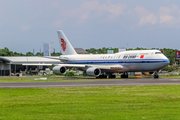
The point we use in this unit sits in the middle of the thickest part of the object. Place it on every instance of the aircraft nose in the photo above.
(167, 62)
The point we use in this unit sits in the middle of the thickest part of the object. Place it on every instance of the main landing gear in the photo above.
(124, 75)
(101, 76)
(105, 76)
(156, 76)
(112, 76)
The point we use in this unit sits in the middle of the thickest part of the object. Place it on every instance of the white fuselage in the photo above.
(132, 61)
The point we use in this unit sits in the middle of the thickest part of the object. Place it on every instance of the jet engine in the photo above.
(147, 73)
(93, 71)
(59, 70)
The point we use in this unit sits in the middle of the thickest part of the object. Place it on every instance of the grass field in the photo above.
(92, 103)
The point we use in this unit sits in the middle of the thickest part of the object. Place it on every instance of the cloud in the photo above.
(169, 15)
(166, 16)
(166, 19)
(25, 27)
(93, 9)
(146, 17)
(58, 13)
(90, 10)
(57, 23)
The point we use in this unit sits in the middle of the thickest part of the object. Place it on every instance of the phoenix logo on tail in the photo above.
(63, 44)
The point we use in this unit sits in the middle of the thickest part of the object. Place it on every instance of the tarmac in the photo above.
(126, 82)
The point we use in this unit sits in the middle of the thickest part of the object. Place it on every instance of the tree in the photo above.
(170, 54)
(29, 54)
(18, 54)
(55, 54)
(116, 50)
(39, 54)
(5, 52)
(104, 50)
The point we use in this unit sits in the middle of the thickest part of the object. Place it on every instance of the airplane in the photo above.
(105, 65)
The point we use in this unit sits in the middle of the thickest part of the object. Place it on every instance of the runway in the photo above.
(127, 82)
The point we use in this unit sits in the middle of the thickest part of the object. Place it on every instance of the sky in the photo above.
(27, 24)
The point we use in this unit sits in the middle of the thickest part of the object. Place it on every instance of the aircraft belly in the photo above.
(145, 67)
(115, 70)
(134, 66)
(154, 66)
(109, 67)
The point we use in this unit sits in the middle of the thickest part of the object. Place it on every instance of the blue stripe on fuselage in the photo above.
(117, 61)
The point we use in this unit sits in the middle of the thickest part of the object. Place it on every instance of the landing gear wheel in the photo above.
(156, 76)
(112, 76)
(101, 76)
(124, 75)
(105, 76)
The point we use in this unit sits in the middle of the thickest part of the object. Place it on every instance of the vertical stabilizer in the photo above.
(65, 45)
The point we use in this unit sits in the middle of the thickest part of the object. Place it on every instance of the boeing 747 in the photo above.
(104, 65)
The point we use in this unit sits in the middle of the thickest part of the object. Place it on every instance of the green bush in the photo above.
(169, 68)
(51, 67)
(74, 68)
(69, 74)
(84, 74)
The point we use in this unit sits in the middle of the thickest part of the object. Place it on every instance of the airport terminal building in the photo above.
(31, 65)
(15, 65)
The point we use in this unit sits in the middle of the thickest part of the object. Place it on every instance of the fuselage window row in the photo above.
(110, 57)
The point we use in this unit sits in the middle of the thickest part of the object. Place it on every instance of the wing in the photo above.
(64, 60)
(116, 68)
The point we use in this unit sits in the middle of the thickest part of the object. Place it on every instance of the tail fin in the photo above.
(65, 45)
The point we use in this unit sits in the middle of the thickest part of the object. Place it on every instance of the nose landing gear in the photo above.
(156, 76)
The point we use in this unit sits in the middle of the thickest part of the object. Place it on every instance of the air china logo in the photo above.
(63, 44)
(142, 56)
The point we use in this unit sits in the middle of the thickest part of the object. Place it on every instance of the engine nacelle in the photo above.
(147, 73)
(93, 71)
(59, 70)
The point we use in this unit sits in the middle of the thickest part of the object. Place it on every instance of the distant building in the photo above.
(122, 49)
(110, 51)
(46, 49)
(80, 51)
(16, 65)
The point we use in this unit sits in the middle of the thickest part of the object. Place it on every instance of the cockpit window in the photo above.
(158, 53)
